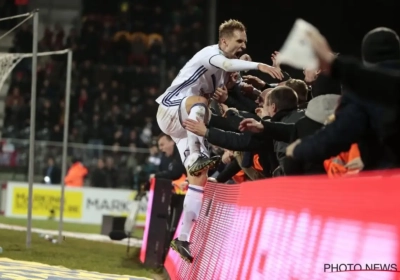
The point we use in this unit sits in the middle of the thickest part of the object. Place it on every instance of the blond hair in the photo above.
(227, 28)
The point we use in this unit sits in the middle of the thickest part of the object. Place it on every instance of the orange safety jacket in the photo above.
(240, 177)
(336, 166)
(177, 185)
(76, 175)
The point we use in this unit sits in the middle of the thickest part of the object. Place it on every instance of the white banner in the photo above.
(82, 205)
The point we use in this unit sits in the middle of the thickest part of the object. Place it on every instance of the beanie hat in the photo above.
(379, 45)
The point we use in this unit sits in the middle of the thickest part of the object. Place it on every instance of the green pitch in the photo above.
(72, 253)
(53, 225)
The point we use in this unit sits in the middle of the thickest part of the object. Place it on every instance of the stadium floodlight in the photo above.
(8, 61)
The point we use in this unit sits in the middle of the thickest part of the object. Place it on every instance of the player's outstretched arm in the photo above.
(235, 65)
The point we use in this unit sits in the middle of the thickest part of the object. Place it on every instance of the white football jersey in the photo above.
(197, 77)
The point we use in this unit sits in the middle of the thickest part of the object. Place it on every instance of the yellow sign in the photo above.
(46, 201)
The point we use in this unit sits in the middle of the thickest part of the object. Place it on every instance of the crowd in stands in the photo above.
(120, 67)
(121, 63)
(7, 9)
(347, 122)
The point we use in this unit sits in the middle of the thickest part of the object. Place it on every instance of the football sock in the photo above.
(191, 210)
(198, 111)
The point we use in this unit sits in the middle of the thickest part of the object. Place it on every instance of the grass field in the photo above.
(53, 225)
(74, 254)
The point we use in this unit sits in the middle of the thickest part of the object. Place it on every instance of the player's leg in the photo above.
(168, 120)
(197, 108)
(193, 153)
(191, 205)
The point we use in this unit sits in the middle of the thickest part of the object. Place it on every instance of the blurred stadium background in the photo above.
(125, 53)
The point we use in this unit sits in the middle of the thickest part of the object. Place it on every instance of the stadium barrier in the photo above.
(82, 205)
(296, 228)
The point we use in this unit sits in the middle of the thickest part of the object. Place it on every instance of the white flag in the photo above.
(297, 50)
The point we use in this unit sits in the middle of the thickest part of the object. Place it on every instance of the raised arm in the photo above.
(236, 65)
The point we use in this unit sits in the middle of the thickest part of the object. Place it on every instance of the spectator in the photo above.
(373, 127)
(301, 90)
(99, 175)
(326, 93)
(56, 134)
(175, 168)
(23, 39)
(58, 37)
(111, 173)
(52, 174)
(76, 174)
(281, 105)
